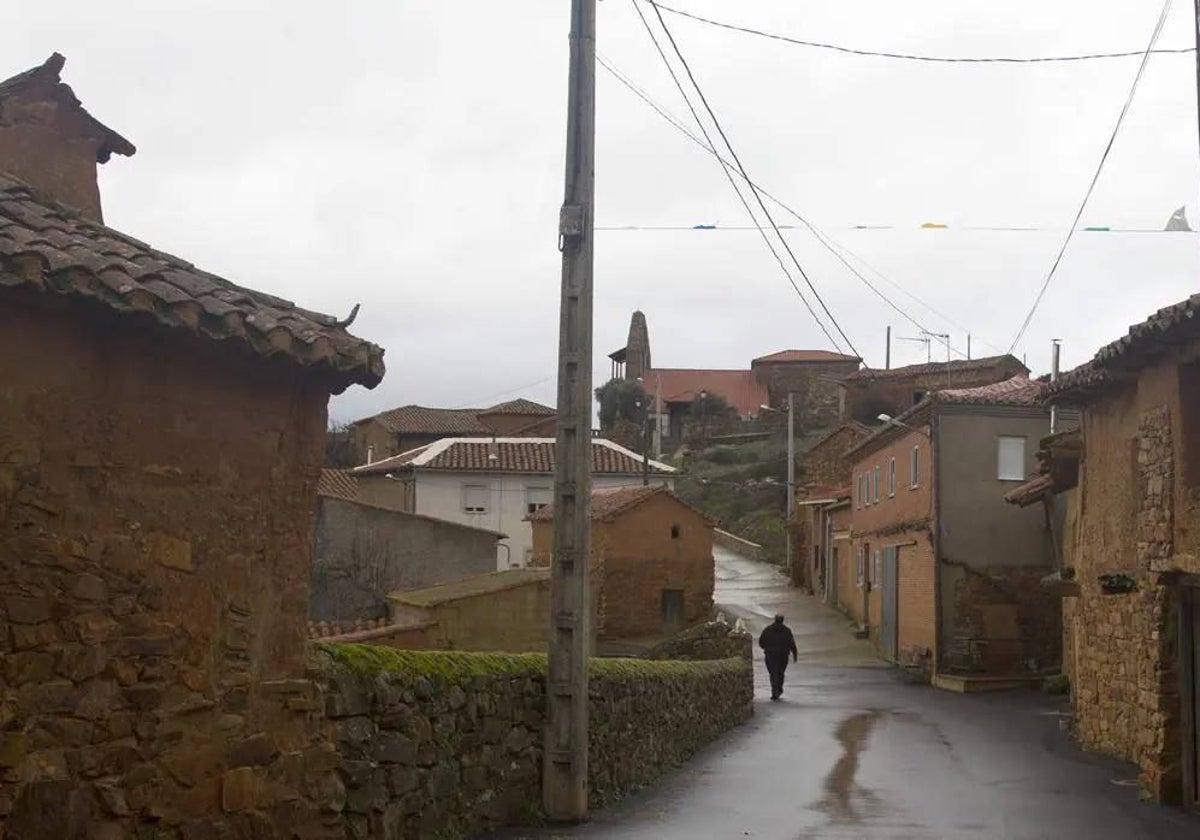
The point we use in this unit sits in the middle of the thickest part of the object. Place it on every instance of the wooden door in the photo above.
(888, 605)
(672, 610)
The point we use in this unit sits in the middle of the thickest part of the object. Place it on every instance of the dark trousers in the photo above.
(776, 665)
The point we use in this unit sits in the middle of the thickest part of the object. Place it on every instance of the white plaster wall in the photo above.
(440, 494)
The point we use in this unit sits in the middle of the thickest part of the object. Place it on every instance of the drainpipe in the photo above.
(1055, 346)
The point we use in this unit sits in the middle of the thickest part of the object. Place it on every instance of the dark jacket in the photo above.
(777, 640)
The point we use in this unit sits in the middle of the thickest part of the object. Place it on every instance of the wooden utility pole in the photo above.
(565, 762)
(791, 480)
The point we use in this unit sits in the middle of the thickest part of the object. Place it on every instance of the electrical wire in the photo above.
(915, 57)
(703, 228)
(742, 169)
(1158, 28)
(729, 176)
(516, 390)
(826, 241)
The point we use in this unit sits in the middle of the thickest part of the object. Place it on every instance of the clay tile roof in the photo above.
(740, 388)
(1031, 491)
(610, 502)
(51, 250)
(1171, 323)
(516, 455)
(470, 587)
(419, 420)
(1020, 390)
(338, 484)
(806, 356)
(938, 367)
(521, 406)
(43, 83)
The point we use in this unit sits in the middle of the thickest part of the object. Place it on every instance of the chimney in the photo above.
(48, 141)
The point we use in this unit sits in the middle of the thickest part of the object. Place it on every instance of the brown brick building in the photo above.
(652, 561)
(952, 574)
(1131, 550)
(161, 436)
(869, 393)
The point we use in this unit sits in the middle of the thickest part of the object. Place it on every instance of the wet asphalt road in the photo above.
(855, 751)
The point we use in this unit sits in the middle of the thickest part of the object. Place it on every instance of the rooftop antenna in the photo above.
(924, 339)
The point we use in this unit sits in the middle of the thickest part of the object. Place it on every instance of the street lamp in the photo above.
(889, 420)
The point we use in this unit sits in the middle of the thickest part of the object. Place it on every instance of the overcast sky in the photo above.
(408, 155)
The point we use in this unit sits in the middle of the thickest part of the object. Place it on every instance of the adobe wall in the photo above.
(449, 744)
(816, 389)
(514, 619)
(1135, 518)
(825, 464)
(372, 441)
(363, 553)
(156, 500)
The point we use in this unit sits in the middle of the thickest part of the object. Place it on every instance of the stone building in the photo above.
(951, 573)
(1131, 550)
(408, 427)
(869, 393)
(161, 437)
(811, 376)
(365, 551)
(652, 561)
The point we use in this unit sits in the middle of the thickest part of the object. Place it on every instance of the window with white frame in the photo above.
(537, 497)
(866, 484)
(875, 484)
(891, 477)
(476, 498)
(1010, 458)
(858, 567)
(914, 467)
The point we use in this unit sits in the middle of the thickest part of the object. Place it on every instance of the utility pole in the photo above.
(791, 477)
(565, 753)
(1055, 347)
(969, 335)
(887, 356)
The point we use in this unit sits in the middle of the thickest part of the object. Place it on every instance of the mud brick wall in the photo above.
(1001, 621)
(156, 501)
(451, 742)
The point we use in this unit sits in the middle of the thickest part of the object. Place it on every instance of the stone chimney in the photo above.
(48, 140)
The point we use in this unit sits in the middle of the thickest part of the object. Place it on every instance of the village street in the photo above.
(854, 751)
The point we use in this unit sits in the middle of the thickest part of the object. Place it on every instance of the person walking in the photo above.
(777, 642)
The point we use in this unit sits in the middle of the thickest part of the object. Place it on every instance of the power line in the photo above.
(754, 191)
(914, 57)
(516, 390)
(822, 238)
(1158, 28)
(729, 176)
(703, 228)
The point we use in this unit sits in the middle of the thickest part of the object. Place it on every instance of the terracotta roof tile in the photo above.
(610, 502)
(420, 420)
(521, 406)
(938, 367)
(100, 264)
(517, 455)
(806, 356)
(338, 484)
(1017, 391)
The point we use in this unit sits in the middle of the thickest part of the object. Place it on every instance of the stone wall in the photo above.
(154, 556)
(449, 744)
(712, 640)
(365, 552)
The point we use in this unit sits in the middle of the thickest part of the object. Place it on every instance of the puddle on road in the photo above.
(842, 791)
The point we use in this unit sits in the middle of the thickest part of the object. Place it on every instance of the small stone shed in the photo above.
(652, 561)
(501, 611)
(161, 435)
(1131, 549)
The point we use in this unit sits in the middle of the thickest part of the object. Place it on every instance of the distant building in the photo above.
(365, 550)
(651, 561)
(950, 575)
(1131, 548)
(811, 376)
(411, 426)
(494, 483)
(869, 392)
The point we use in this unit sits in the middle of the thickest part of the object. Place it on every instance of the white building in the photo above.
(494, 483)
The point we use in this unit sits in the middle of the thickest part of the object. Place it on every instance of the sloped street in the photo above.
(854, 751)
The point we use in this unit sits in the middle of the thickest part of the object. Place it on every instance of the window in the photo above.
(866, 486)
(891, 477)
(878, 573)
(875, 484)
(674, 532)
(1010, 458)
(537, 498)
(914, 468)
(918, 396)
(858, 567)
(476, 498)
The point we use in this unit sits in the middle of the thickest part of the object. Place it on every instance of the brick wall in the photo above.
(908, 504)
(156, 501)
(916, 633)
(363, 553)
(825, 464)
